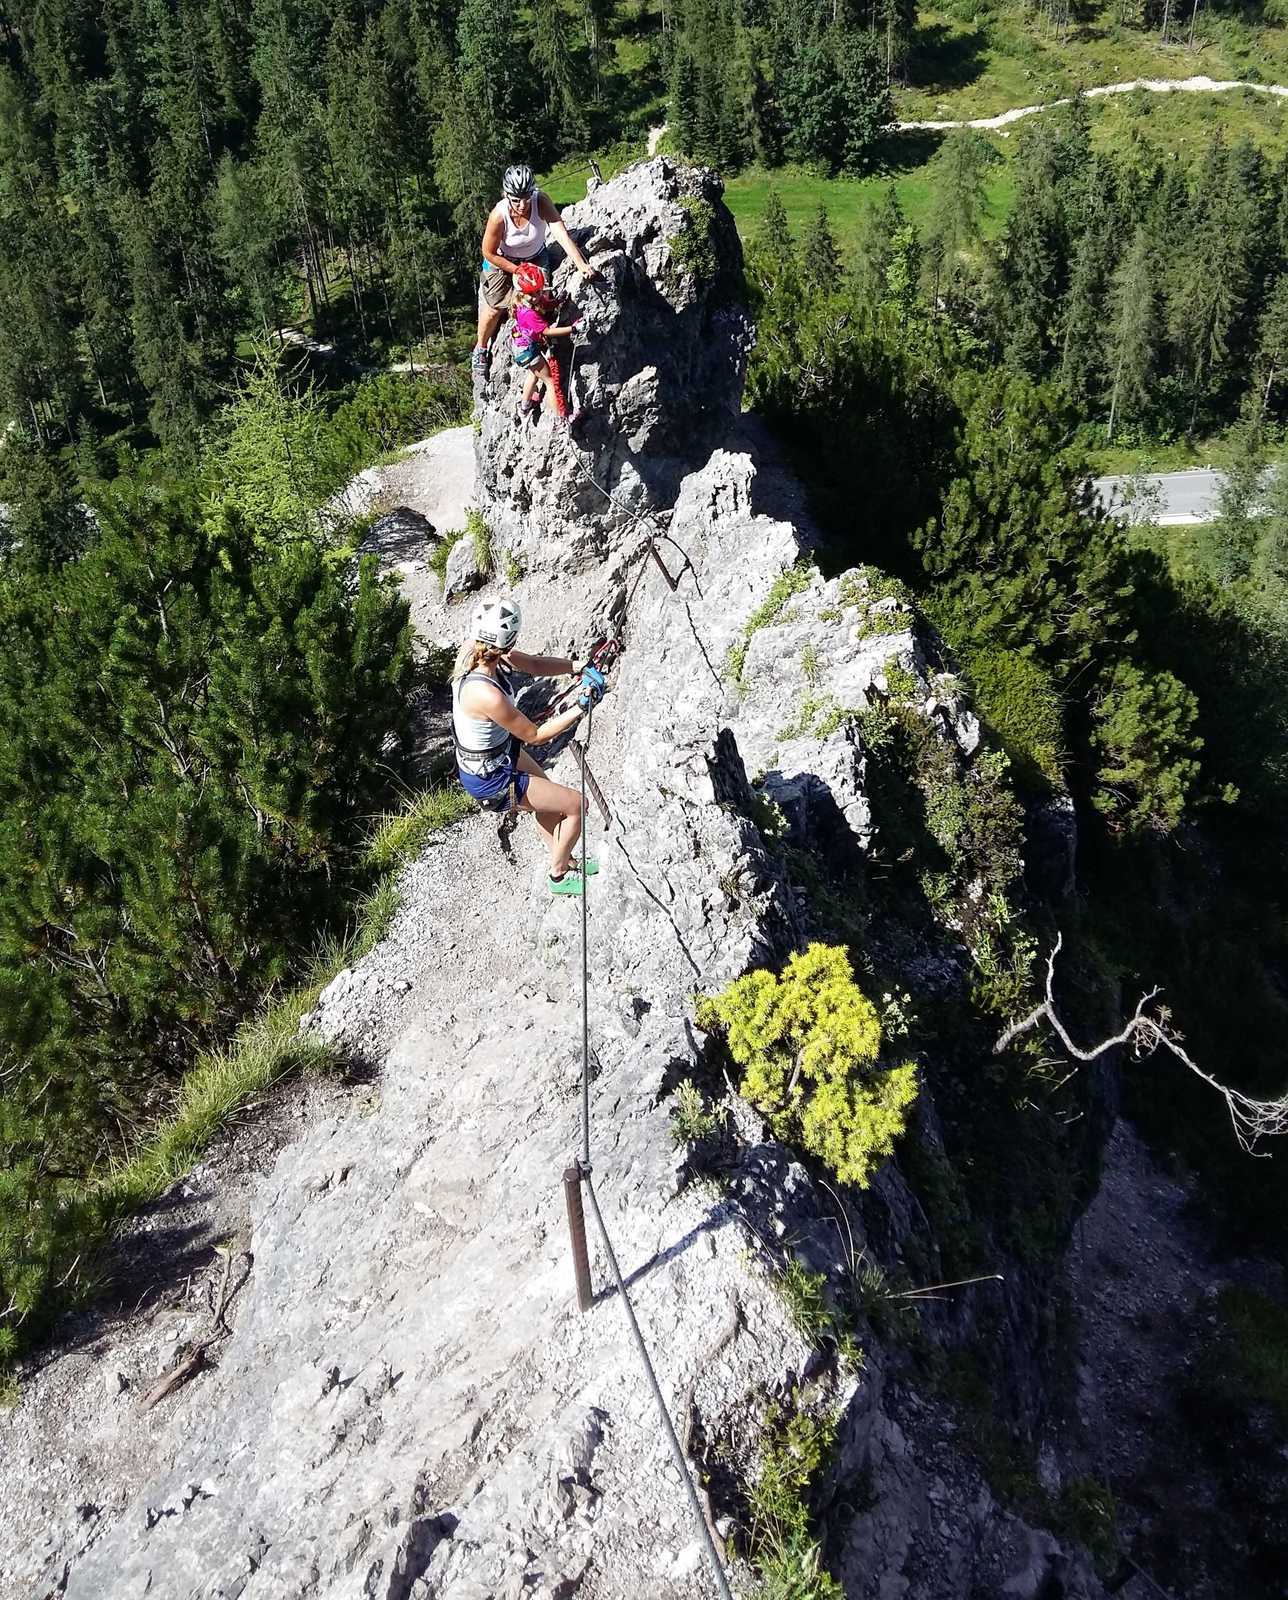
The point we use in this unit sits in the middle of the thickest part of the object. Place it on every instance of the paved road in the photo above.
(1174, 499)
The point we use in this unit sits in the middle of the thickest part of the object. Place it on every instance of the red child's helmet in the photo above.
(530, 278)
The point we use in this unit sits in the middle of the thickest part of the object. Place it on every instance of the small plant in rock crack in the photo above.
(692, 1118)
(768, 816)
(813, 1315)
(867, 1290)
(787, 1557)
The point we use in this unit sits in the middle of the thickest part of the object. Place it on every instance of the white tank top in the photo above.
(521, 243)
(481, 744)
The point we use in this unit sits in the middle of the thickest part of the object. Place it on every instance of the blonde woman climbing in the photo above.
(490, 732)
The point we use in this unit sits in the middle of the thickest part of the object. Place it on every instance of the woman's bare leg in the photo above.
(558, 813)
(490, 319)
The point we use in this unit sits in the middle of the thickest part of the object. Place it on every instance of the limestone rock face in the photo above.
(463, 574)
(654, 371)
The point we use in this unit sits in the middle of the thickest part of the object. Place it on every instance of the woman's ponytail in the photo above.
(472, 655)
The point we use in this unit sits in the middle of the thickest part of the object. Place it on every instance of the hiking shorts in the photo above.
(496, 287)
(501, 790)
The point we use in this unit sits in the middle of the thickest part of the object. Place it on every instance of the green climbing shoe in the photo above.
(574, 871)
(570, 883)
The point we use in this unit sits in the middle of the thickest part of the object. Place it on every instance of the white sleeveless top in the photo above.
(521, 243)
(482, 746)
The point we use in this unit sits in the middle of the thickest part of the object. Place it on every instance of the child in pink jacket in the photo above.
(534, 306)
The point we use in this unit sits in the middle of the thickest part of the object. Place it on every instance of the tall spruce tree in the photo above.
(1133, 333)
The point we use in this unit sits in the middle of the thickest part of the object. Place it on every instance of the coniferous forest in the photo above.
(203, 686)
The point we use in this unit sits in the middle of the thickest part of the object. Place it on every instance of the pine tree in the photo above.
(1147, 740)
(1272, 341)
(1081, 324)
(815, 108)
(558, 70)
(960, 202)
(879, 227)
(1029, 282)
(772, 240)
(1020, 556)
(1232, 538)
(1133, 335)
(866, 105)
(682, 113)
(820, 260)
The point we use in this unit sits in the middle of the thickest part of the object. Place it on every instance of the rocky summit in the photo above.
(409, 1404)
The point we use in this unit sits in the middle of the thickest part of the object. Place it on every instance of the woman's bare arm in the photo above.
(491, 242)
(484, 700)
(550, 216)
(540, 666)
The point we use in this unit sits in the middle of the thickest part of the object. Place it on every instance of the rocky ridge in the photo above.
(410, 1405)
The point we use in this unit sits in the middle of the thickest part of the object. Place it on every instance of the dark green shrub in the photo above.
(1019, 704)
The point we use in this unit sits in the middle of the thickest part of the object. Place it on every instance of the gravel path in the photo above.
(1195, 85)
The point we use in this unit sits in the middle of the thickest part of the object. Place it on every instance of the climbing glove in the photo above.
(593, 684)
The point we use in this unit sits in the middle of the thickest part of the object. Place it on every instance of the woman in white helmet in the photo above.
(490, 733)
(519, 228)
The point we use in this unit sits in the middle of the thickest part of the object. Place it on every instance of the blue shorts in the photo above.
(498, 791)
(527, 355)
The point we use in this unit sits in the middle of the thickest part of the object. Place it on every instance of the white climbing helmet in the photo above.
(496, 622)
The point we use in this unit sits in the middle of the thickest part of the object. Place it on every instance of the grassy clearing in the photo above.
(849, 199)
(566, 182)
(1180, 455)
(973, 59)
(1186, 124)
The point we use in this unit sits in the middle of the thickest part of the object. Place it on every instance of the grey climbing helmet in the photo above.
(496, 622)
(518, 183)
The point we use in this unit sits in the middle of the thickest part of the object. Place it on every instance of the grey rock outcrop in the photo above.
(463, 574)
(655, 370)
(410, 1407)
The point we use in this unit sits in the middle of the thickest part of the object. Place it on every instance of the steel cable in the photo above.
(668, 1427)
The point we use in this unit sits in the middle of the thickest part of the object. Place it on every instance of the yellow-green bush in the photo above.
(809, 1041)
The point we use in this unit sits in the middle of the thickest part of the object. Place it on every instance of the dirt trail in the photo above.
(1196, 85)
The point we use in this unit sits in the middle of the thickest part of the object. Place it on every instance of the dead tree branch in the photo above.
(1253, 1120)
(197, 1359)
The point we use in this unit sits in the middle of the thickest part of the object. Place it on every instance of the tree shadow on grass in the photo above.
(943, 58)
(905, 152)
